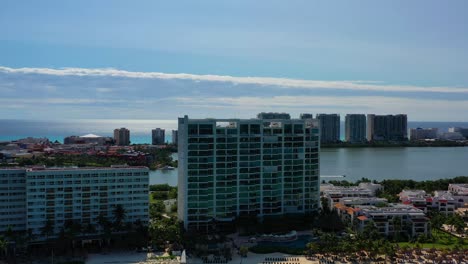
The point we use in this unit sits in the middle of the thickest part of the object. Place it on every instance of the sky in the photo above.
(165, 59)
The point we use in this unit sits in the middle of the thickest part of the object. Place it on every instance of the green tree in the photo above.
(157, 209)
(119, 215)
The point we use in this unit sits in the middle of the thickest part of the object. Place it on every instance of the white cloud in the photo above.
(103, 90)
(417, 109)
(279, 82)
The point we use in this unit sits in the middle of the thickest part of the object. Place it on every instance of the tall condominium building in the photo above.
(175, 137)
(122, 136)
(12, 199)
(329, 127)
(158, 136)
(230, 168)
(355, 128)
(387, 127)
(59, 195)
(423, 133)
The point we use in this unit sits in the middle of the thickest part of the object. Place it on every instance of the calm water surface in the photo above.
(377, 164)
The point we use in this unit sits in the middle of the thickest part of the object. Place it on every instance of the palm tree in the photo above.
(119, 215)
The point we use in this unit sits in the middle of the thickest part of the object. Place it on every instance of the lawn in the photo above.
(442, 240)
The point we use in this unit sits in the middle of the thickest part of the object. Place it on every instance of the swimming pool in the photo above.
(300, 242)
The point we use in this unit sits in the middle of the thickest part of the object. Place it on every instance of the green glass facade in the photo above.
(230, 168)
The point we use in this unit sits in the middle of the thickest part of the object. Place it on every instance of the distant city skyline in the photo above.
(156, 60)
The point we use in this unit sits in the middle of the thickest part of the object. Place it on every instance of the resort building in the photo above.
(444, 202)
(387, 127)
(158, 136)
(230, 168)
(458, 189)
(33, 197)
(329, 127)
(387, 219)
(393, 218)
(463, 131)
(122, 136)
(360, 201)
(355, 128)
(451, 136)
(423, 133)
(87, 139)
(336, 193)
(417, 198)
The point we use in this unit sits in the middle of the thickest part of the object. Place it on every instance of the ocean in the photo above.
(140, 130)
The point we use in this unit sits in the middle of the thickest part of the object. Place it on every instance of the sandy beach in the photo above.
(140, 258)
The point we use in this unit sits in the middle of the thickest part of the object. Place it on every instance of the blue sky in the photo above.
(303, 56)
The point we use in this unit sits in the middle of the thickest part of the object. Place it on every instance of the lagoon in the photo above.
(416, 163)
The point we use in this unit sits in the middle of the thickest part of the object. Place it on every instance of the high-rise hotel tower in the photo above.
(230, 168)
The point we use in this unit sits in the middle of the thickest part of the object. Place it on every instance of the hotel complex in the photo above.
(32, 197)
(230, 168)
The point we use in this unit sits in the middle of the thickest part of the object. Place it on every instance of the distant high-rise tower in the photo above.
(122, 136)
(355, 128)
(329, 127)
(158, 136)
(175, 137)
(387, 127)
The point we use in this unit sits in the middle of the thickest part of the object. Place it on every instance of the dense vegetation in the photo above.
(163, 192)
(156, 158)
(165, 230)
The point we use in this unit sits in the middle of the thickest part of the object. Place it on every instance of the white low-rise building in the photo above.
(32, 197)
(394, 218)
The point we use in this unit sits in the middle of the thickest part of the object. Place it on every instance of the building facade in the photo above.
(12, 199)
(122, 136)
(175, 137)
(387, 127)
(423, 133)
(39, 195)
(329, 128)
(158, 136)
(463, 131)
(230, 168)
(355, 128)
